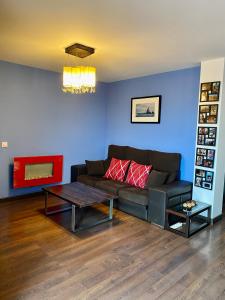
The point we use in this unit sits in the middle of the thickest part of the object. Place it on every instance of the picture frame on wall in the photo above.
(205, 158)
(146, 109)
(207, 136)
(208, 114)
(204, 179)
(210, 91)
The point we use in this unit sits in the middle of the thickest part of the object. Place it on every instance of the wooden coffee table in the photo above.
(79, 195)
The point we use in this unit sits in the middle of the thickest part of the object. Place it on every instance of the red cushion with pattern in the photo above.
(138, 174)
(117, 169)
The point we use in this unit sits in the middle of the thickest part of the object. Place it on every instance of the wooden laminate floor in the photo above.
(127, 259)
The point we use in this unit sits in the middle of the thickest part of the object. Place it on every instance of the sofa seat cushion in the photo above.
(135, 195)
(111, 186)
(89, 180)
(175, 188)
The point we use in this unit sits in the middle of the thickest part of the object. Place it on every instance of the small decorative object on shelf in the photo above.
(188, 205)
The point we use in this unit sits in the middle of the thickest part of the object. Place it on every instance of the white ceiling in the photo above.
(132, 37)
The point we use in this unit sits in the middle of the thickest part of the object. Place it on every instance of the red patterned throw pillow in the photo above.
(117, 169)
(138, 174)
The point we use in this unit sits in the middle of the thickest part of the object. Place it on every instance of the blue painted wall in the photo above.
(36, 118)
(176, 132)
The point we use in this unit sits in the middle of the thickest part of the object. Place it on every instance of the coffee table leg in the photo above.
(209, 215)
(188, 221)
(51, 212)
(111, 209)
(73, 220)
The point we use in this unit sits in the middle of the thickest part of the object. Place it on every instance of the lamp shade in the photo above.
(79, 80)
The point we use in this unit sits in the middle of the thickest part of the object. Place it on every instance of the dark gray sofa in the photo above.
(150, 203)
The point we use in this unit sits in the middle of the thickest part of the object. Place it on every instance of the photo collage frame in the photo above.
(208, 114)
(206, 136)
(210, 91)
(204, 179)
(205, 158)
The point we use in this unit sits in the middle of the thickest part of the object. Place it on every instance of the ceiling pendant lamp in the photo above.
(79, 79)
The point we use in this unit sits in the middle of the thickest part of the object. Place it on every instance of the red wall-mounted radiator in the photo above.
(37, 170)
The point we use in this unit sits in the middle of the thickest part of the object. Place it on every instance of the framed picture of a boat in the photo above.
(146, 109)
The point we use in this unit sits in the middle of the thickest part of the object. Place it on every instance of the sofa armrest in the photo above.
(162, 197)
(77, 170)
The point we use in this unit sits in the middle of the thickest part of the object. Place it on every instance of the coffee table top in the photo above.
(79, 194)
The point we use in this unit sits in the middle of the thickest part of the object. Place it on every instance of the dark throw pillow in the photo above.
(95, 167)
(156, 178)
(172, 177)
(106, 163)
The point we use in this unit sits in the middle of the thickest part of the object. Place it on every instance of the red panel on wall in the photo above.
(24, 166)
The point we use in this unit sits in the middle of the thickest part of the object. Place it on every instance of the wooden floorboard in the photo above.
(40, 258)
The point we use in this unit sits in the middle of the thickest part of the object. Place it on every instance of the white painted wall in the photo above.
(213, 70)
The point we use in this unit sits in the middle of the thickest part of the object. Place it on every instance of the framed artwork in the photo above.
(208, 114)
(146, 109)
(210, 91)
(207, 136)
(204, 179)
(205, 158)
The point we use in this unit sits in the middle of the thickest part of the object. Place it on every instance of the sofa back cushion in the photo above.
(138, 155)
(138, 174)
(167, 162)
(160, 161)
(115, 151)
(117, 169)
(95, 167)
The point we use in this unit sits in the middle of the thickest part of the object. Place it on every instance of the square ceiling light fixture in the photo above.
(79, 79)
